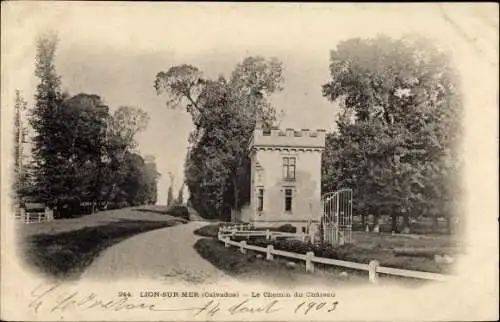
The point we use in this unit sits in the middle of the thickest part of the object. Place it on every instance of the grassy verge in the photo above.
(208, 230)
(359, 254)
(65, 255)
(254, 267)
(366, 247)
(177, 211)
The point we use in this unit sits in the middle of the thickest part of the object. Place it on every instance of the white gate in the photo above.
(336, 222)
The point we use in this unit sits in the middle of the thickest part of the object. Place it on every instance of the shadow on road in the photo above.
(66, 255)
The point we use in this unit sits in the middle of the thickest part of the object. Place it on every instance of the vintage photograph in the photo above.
(286, 151)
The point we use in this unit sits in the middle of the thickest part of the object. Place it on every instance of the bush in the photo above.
(207, 231)
(223, 258)
(179, 212)
(287, 228)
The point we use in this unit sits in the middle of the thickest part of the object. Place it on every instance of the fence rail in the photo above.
(22, 216)
(269, 234)
(373, 268)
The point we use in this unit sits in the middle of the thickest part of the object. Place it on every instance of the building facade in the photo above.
(285, 178)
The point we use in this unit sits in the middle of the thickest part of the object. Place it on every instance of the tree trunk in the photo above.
(376, 227)
(235, 193)
(394, 223)
(406, 223)
(363, 221)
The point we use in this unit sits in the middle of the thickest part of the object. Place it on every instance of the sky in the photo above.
(115, 50)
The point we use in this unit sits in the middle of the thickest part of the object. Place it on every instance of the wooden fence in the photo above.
(238, 231)
(28, 217)
(373, 268)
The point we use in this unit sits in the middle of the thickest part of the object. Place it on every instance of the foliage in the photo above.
(224, 113)
(21, 180)
(83, 155)
(180, 196)
(170, 194)
(287, 228)
(398, 133)
(208, 230)
(49, 139)
(179, 212)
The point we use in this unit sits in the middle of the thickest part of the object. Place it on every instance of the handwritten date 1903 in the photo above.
(306, 307)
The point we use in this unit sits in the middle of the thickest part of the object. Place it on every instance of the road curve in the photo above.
(166, 255)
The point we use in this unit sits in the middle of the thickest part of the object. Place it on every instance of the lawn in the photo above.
(366, 247)
(253, 266)
(64, 248)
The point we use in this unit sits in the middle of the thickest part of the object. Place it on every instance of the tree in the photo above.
(48, 140)
(83, 155)
(122, 127)
(85, 135)
(180, 195)
(401, 148)
(20, 174)
(224, 113)
(170, 195)
(152, 176)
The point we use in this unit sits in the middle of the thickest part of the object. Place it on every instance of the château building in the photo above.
(285, 178)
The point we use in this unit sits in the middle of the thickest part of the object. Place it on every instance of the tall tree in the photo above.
(224, 113)
(170, 194)
(20, 174)
(401, 149)
(180, 195)
(122, 127)
(85, 135)
(152, 176)
(49, 139)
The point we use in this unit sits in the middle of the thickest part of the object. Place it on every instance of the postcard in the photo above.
(249, 161)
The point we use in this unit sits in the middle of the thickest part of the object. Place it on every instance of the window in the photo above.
(261, 200)
(259, 175)
(289, 168)
(288, 200)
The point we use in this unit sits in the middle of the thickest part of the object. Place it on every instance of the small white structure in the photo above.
(285, 178)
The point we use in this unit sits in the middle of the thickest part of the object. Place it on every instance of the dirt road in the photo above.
(166, 255)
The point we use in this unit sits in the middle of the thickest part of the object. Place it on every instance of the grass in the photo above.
(357, 253)
(66, 255)
(64, 248)
(366, 247)
(249, 267)
(177, 211)
(144, 213)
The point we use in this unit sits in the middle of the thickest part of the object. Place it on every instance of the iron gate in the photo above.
(336, 222)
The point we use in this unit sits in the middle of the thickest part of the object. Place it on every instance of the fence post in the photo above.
(269, 253)
(226, 242)
(268, 234)
(372, 271)
(22, 214)
(243, 244)
(49, 214)
(309, 263)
